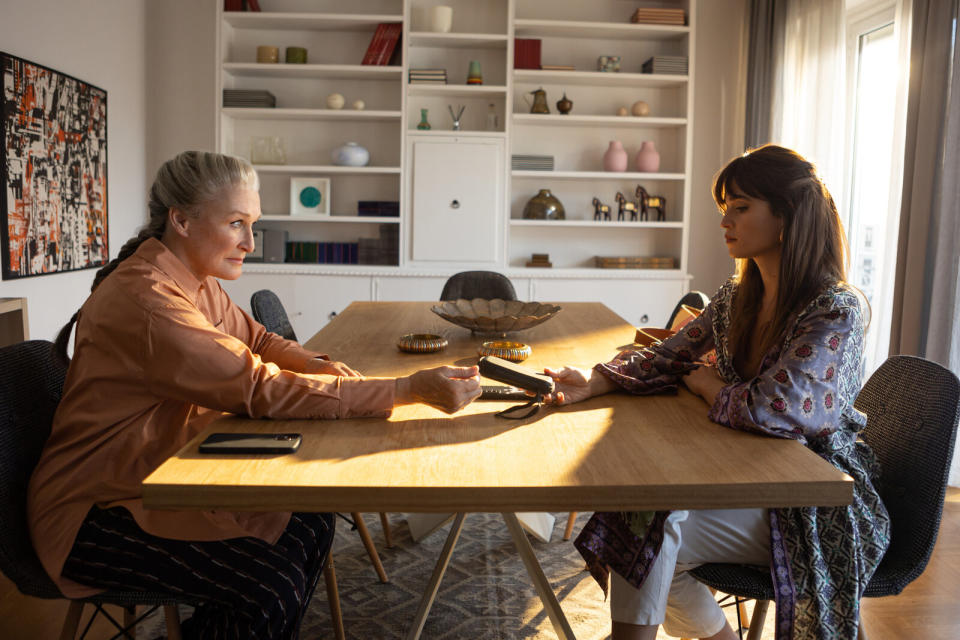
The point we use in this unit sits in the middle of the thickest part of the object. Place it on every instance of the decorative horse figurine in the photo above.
(648, 202)
(600, 209)
(625, 206)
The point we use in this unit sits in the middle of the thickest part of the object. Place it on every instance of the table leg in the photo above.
(540, 582)
(431, 592)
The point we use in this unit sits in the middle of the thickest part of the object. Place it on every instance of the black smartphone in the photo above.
(251, 443)
(513, 374)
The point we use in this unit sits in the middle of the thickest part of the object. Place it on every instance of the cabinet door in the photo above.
(457, 197)
(646, 303)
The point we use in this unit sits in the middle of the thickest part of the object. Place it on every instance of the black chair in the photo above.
(478, 284)
(267, 309)
(694, 299)
(912, 408)
(31, 383)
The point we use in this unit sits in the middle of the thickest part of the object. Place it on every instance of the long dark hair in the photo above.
(814, 246)
(184, 182)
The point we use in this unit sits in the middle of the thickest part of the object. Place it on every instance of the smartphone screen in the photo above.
(251, 443)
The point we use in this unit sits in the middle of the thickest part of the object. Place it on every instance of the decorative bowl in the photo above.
(421, 343)
(512, 351)
(494, 317)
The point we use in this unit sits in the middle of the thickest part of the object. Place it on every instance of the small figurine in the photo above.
(624, 207)
(648, 202)
(564, 104)
(600, 209)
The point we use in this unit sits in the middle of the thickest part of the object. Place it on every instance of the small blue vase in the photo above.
(350, 154)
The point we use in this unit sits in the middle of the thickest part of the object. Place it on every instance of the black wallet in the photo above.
(513, 374)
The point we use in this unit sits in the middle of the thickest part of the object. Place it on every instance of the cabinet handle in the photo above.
(455, 204)
(644, 319)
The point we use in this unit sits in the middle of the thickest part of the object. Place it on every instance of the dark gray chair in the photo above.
(31, 384)
(694, 299)
(267, 309)
(912, 408)
(478, 284)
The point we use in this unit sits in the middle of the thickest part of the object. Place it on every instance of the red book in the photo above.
(233, 5)
(370, 57)
(526, 53)
(253, 5)
(390, 39)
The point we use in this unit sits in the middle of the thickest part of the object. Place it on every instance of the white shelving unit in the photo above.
(571, 32)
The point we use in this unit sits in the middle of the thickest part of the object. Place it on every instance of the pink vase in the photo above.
(615, 158)
(648, 158)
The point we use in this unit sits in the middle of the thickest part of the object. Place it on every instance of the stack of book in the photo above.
(526, 53)
(675, 65)
(383, 49)
(257, 98)
(634, 262)
(323, 252)
(540, 260)
(382, 250)
(428, 76)
(531, 163)
(377, 208)
(558, 67)
(654, 15)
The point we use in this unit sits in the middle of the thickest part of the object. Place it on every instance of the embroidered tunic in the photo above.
(821, 557)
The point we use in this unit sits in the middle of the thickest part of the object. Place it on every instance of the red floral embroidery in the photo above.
(781, 376)
(685, 354)
(829, 374)
(828, 401)
(779, 405)
(803, 351)
(834, 342)
(807, 405)
(694, 332)
(833, 315)
(646, 365)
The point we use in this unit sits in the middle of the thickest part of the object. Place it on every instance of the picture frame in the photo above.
(53, 171)
(309, 196)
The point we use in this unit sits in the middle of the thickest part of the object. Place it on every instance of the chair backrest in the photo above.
(478, 284)
(268, 311)
(31, 384)
(912, 408)
(695, 299)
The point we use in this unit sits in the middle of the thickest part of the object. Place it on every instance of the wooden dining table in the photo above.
(615, 452)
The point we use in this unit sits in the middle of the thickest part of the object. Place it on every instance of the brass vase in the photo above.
(544, 206)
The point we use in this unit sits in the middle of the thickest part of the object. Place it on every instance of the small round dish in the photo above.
(421, 343)
(512, 351)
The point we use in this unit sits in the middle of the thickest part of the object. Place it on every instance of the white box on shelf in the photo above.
(310, 196)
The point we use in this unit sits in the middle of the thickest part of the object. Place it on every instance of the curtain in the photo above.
(765, 57)
(926, 321)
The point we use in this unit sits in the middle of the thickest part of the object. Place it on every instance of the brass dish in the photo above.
(421, 343)
(495, 317)
(512, 351)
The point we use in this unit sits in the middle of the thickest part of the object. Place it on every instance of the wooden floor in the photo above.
(926, 609)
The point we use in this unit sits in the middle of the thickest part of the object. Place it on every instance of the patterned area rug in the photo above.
(485, 593)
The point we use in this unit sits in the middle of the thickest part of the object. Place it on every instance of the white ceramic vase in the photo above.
(441, 19)
(350, 154)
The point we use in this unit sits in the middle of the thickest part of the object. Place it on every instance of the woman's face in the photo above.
(750, 228)
(216, 241)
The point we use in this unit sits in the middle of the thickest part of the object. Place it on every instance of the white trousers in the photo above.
(673, 598)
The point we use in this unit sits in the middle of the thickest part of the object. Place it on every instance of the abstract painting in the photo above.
(53, 171)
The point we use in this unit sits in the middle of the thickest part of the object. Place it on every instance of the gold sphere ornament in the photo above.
(640, 108)
(335, 101)
(359, 105)
(622, 111)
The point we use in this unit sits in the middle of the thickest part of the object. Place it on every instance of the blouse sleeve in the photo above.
(188, 358)
(659, 367)
(799, 396)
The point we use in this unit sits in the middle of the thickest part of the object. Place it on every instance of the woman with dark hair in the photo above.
(788, 334)
(161, 352)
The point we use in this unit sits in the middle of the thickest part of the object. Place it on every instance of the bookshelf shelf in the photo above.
(306, 21)
(596, 175)
(285, 169)
(597, 121)
(354, 71)
(454, 90)
(329, 219)
(608, 224)
(243, 113)
(598, 78)
(527, 28)
(458, 40)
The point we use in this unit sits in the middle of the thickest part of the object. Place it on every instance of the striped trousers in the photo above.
(244, 587)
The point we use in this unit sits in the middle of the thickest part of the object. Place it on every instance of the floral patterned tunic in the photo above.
(821, 557)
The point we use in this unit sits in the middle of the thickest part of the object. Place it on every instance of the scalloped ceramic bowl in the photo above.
(495, 317)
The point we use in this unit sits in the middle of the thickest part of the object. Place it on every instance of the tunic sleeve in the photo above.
(658, 368)
(798, 395)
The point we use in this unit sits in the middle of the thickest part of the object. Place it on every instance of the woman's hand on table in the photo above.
(331, 368)
(574, 384)
(446, 388)
(705, 381)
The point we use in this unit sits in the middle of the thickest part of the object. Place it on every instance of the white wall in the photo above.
(718, 129)
(100, 42)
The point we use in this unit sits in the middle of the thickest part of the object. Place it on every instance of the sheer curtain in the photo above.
(926, 320)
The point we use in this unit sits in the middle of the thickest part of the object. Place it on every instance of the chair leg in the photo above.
(129, 617)
(759, 617)
(170, 612)
(368, 543)
(742, 606)
(385, 525)
(569, 530)
(72, 621)
(333, 598)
